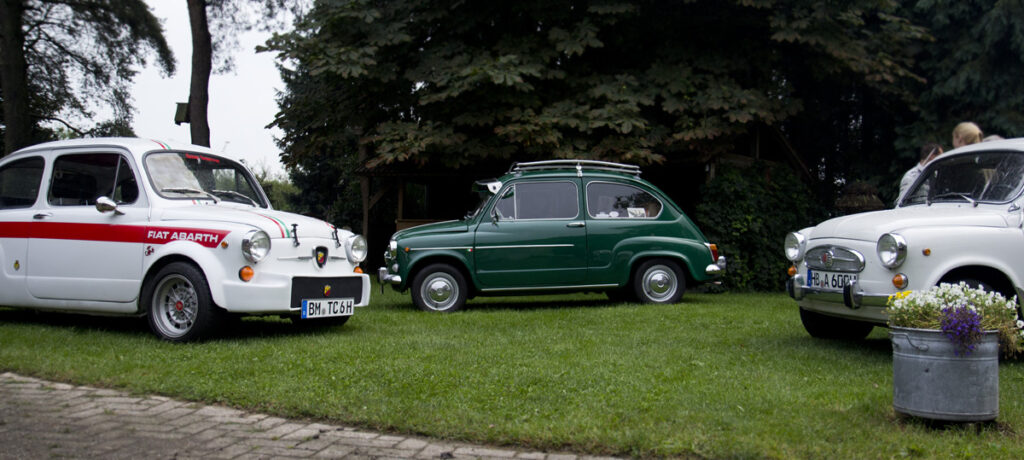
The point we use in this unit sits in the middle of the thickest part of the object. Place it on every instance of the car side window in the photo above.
(542, 200)
(619, 201)
(19, 183)
(79, 179)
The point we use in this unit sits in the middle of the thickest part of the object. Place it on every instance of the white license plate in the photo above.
(829, 280)
(326, 308)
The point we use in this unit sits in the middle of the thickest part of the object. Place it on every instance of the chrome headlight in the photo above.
(255, 245)
(393, 248)
(795, 245)
(355, 248)
(892, 250)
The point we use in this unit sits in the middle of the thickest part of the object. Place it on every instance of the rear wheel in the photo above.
(439, 287)
(179, 304)
(659, 281)
(829, 327)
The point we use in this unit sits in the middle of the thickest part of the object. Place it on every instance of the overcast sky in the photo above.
(241, 103)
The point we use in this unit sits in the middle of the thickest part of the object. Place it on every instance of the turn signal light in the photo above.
(358, 270)
(926, 251)
(900, 281)
(246, 273)
(714, 251)
(792, 270)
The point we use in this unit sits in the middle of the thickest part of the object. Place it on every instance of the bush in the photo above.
(748, 212)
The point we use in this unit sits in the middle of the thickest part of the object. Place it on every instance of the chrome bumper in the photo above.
(852, 295)
(716, 268)
(384, 277)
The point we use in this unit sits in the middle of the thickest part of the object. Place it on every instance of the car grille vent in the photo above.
(835, 259)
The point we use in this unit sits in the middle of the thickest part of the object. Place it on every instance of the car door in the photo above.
(20, 181)
(77, 252)
(617, 212)
(533, 236)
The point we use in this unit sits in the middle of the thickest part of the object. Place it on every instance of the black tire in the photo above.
(659, 281)
(822, 326)
(178, 304)
(440, 288)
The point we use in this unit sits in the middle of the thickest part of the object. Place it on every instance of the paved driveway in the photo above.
(41, 419)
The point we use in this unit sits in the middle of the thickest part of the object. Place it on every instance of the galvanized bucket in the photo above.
(930, 380)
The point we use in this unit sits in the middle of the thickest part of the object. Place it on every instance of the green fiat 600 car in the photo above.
(555, 226)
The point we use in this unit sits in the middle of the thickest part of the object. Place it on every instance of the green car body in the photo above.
(555, 226)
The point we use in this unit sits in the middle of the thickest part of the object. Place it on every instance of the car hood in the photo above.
(451, 226)
(869, 226)
(277, 224)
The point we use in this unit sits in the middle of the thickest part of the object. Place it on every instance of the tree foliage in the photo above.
(63, 58)
(456, 81)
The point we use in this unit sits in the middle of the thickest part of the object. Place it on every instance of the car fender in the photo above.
(461, 257)
(953, 248)
(687, 252)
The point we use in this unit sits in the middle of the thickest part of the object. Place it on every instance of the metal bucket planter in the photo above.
(930, 380)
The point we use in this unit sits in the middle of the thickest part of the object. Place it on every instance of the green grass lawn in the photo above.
(725, 375)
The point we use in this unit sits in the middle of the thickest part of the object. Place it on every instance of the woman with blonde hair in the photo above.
(966, 133)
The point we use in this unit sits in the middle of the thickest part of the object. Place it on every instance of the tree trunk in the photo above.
(14, 77)
(202, 56)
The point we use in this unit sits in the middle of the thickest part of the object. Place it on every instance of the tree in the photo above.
(58, 57)
(636, 81)
(225, 19)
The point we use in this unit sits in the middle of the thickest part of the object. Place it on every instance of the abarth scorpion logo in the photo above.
(327, 290)
(827, 258)
(320, 254)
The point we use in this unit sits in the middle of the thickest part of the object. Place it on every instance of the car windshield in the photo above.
(484, 189)
(193, 176)
(984, 177)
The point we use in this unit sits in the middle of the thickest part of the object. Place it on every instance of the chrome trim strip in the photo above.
(452, 248)
(528, 246)
(545, 288)
(310, 258)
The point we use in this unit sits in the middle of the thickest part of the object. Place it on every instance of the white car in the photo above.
(185, 236)
(960, 221)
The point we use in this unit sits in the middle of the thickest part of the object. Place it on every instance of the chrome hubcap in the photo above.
(175, 305)
(659, 283)
(439, 291)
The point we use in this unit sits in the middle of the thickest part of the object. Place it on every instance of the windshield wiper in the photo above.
(965, 196)
(184, 190)
(237, 195)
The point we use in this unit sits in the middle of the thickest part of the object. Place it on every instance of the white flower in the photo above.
(1020, 324)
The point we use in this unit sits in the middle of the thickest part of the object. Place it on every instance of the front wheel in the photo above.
(439, 287)
(179, 305)
(822, 326)
(659, 281)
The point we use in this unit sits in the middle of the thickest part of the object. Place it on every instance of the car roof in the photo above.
(1004, 144)
(136, 145)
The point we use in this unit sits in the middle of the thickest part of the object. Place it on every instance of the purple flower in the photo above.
(962, 325)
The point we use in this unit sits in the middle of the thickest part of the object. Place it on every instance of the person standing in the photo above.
(929, 152)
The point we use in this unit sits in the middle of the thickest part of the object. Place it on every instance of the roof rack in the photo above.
(579, 165)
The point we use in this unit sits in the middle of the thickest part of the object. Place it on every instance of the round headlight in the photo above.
(892, 250)
(393, 248)
(355, 248)
(255, 245)
(794, 245)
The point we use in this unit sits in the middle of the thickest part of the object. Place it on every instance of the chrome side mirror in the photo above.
(104, 204)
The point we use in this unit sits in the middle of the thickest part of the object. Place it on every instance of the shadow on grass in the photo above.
(233, 328)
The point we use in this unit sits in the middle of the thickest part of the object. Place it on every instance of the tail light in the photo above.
(714, 250)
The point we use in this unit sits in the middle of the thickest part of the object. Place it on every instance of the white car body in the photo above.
(78, 258)
(954, 238)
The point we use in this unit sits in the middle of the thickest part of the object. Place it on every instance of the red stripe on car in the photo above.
(111, 233)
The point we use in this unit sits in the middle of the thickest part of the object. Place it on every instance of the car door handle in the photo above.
(576, 224)
(42, 215)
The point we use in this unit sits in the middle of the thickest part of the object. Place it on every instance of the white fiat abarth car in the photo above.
(177, 233)
(961, 221)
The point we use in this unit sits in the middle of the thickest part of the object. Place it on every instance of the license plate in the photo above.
(326, 308)
(829, 280)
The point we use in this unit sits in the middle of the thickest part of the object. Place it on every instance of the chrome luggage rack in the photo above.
(579, 165)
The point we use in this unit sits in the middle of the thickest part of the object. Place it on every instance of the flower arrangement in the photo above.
(962, 313)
